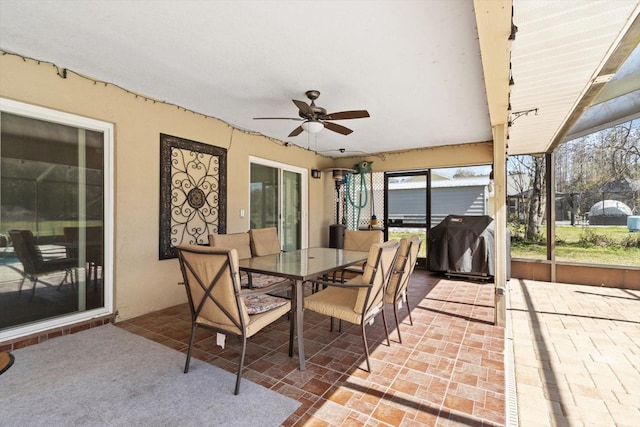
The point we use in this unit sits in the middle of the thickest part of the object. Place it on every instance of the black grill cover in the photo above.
(463, 244)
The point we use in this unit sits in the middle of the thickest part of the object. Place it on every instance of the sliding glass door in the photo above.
(54, 218)
(278, 199)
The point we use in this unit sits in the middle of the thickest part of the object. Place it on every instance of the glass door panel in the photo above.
(51, 220)
(407, 207)
(291, 212)
(264, 196)
(278, 199)
(460, 191)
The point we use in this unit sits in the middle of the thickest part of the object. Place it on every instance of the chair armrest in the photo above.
(285, 284)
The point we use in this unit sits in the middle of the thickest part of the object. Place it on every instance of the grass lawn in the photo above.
(568, 246)
(570, 249)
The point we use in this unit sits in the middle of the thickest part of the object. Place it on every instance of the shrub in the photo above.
(517, 232)
(631, 241)
(589, 238)
(518, 235)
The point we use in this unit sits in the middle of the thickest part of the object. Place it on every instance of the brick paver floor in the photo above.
(448, 371)
(577, 354)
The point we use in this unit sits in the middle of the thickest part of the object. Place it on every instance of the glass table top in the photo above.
(303, 264)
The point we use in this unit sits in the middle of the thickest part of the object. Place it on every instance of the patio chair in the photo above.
(5, 243)
(264, 241)
(217, 303)
(360, 299)
(93, 250)
(241, 242)
(396, 292)
(34, 262)
(358, 240)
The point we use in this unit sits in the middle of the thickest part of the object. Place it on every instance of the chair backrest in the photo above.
(212, 282)
(378, 269)
(264, 241)
(25, 248)
(405, 264)
(72, 235)
(361, 240)
(94, 236)
(238, 241)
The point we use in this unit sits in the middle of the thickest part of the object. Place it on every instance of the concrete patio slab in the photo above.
(577, 354)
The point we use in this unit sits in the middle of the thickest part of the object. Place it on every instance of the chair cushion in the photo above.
(390, 293)
(335, 302)
(238, 241)
(361, 240)
(374, 277)
(257, 304)
(255, 322)
(264, 241)
(259, 321)
(263, 280)
(399, 271)
(405, 264)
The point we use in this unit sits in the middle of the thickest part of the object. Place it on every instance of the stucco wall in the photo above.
(142, 283)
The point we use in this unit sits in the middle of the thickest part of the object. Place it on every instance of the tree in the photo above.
(602, 165)
(465, 173)
(526, 182)
(536, 210)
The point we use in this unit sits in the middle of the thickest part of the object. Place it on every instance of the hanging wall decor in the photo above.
(193, 193)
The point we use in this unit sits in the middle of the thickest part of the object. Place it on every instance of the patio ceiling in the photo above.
(564, 55)
(416, 66)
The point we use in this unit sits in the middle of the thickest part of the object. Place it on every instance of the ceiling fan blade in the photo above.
(304, 108)
(337, 128)
(278, 118)
(297, 131)
(344, 115)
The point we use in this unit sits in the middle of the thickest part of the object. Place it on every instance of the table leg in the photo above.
(299, 301)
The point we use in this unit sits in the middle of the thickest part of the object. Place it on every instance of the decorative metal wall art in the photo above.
(193, 193)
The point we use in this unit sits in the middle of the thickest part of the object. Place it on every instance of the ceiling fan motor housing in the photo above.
(312, 94)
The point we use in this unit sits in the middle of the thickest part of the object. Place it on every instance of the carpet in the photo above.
(106, 376)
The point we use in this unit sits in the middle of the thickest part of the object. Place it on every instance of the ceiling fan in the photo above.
(315, 118)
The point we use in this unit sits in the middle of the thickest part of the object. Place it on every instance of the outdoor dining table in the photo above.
(300, 266)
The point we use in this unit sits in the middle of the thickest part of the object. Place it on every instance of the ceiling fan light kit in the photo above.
(315, 118)
(312, 126)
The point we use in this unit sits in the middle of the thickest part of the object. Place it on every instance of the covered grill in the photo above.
(463, 245)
